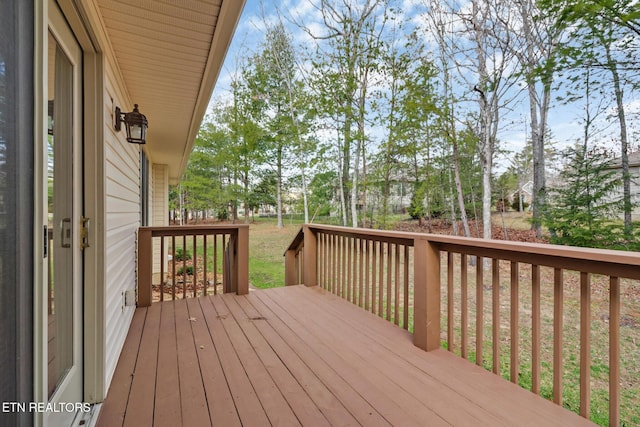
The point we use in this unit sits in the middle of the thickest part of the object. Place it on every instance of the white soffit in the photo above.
(169, 53)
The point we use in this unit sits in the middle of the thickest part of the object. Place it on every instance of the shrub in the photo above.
(515, 205)
(189, 271)
(182, 255)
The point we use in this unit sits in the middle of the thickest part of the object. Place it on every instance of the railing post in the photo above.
(290, 276)
(242, 261)
(426, 264)
(145, 266)
(310, 257)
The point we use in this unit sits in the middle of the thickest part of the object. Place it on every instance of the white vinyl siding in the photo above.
(122, 207)
(159, 182)
(634, 171)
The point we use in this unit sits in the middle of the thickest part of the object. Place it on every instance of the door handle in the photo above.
(84, 232)
(65, 233)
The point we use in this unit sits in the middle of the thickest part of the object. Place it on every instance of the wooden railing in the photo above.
(413, 279)
(177, 262)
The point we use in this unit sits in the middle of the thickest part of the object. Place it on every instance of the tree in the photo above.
(585, 205)
(603, 39)
(289, 109)
(270, 80)
(585, 208)
(490, 58)
(537, 56)
(408, 110)
(346, 53)
(246, 136)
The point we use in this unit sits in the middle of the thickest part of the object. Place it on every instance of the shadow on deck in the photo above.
(300, 356)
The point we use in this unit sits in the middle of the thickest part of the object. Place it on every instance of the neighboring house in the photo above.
(526, 191)
(634, 171)
(68, 240)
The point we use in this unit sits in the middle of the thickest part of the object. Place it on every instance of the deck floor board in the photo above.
(300, 356)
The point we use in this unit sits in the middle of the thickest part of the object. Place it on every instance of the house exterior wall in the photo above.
(634, 171)
(159, 210)
(123, 210)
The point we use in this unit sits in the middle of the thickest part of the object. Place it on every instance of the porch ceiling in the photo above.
(169, 53)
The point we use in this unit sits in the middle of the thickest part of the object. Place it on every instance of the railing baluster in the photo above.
(195, 266)
(320, 260)
(327, 269)
(585, 344)
(376, 254)
(405, 320)
(388, 301)
(381, 277)
(396, 301)
(367, 265)
(354, 280)
(360, 271)
(225, 262)
(535, 329)
(558, 301)
(162, 261)
(341, 267)
(349, 267)
(184, 266)
(479, 309)
(614, 351)
(330, 271)
(450, 301)
(205, 282)
(464, 304)
(495, 312)
(215, 263)
(173, 269)
(515, 315)
(336, 264)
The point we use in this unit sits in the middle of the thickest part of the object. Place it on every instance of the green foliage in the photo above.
(322, 189)
(264, 193)
(189, 270)
(583, 211)
(182, 255)
(515, 205)
(417, 208)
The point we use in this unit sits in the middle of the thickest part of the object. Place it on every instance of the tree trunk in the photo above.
(279, 190)
(304, 195)
(624, 149)
(354, 188)
(456, 172)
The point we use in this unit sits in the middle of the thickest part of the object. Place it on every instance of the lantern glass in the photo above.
(135, 125)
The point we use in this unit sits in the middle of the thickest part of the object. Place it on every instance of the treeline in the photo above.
(379, 109)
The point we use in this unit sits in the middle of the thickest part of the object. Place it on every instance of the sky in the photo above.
(564, 119)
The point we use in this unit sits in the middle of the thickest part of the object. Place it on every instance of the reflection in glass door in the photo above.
(60, 214)
(64, 210)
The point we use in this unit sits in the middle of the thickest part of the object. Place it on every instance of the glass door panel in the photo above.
(60, 214)
(64, 364)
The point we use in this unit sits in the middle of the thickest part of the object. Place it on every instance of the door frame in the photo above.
(92, 108)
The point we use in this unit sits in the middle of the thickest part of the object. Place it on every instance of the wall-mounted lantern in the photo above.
(135, 124)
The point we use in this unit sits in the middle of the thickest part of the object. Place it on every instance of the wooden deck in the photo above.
(300, 356)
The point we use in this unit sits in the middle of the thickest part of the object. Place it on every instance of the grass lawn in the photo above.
(267, 245)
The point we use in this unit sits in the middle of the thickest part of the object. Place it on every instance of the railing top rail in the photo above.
(394, 236)
(586, 254)
(297, 241)
(598, 261)
(180, 230)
